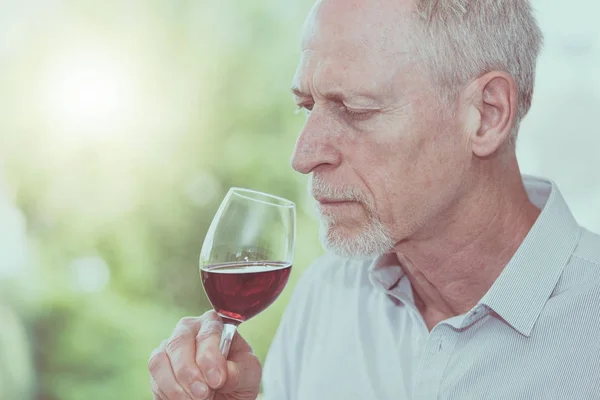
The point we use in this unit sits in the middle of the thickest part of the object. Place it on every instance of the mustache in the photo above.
(318, 187)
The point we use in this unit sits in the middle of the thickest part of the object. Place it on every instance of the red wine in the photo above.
(239, 291)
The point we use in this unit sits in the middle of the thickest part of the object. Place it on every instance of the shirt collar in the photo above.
(520, 292)
(385, 272)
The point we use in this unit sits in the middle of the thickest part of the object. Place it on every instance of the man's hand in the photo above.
(189, 365)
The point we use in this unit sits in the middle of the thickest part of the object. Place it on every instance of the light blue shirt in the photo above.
(352, 331)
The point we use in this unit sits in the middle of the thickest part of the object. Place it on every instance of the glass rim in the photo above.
(267, 198)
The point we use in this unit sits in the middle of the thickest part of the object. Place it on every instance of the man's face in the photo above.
(385, 156)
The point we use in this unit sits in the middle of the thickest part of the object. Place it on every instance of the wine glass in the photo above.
(247, 255)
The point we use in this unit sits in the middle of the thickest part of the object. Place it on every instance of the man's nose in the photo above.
(316, 145)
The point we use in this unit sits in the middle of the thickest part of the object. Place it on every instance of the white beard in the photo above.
(373, 240)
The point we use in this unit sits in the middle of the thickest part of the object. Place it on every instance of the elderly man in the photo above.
(450, 275)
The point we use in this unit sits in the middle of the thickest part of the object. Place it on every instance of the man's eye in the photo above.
(359, 115)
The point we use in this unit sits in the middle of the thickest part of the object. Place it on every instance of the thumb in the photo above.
(244, 373)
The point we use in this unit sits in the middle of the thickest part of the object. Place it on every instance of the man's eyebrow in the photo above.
(334, 95)
(299, 93)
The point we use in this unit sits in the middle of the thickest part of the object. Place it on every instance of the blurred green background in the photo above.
(127, 123)
(123, 124)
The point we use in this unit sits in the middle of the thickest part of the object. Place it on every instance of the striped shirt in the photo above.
(352, 331)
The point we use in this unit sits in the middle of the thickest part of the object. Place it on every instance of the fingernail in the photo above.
(199, 390)
(213, 377)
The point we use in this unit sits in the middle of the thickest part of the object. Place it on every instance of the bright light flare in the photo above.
(88, 93)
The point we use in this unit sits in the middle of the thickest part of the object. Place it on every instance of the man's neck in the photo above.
(451, 268)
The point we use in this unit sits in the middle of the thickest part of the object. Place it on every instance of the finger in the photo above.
(158, 394)
(239, 345)
(181, 351)
(243, 374)
(208, 355)
(162, 374)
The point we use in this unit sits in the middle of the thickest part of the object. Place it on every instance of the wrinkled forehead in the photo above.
(359, 27)
(355, 45)
(331, 72)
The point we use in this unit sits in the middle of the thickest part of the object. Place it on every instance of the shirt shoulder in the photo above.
(582, 272)
(304, 314)
(588, 248)
(329, 280)
(332, 270)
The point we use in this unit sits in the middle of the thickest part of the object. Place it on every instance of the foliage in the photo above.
(116, 212)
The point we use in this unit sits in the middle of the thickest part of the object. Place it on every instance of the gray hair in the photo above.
(464, 39)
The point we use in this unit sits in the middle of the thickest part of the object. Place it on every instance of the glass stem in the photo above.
(229, 330)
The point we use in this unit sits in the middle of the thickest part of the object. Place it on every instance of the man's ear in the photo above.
(489, 112)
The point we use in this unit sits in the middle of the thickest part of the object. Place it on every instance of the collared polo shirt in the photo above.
(352, 330)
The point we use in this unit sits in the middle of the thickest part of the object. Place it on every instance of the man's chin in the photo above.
(372, 241)
(348, 246)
